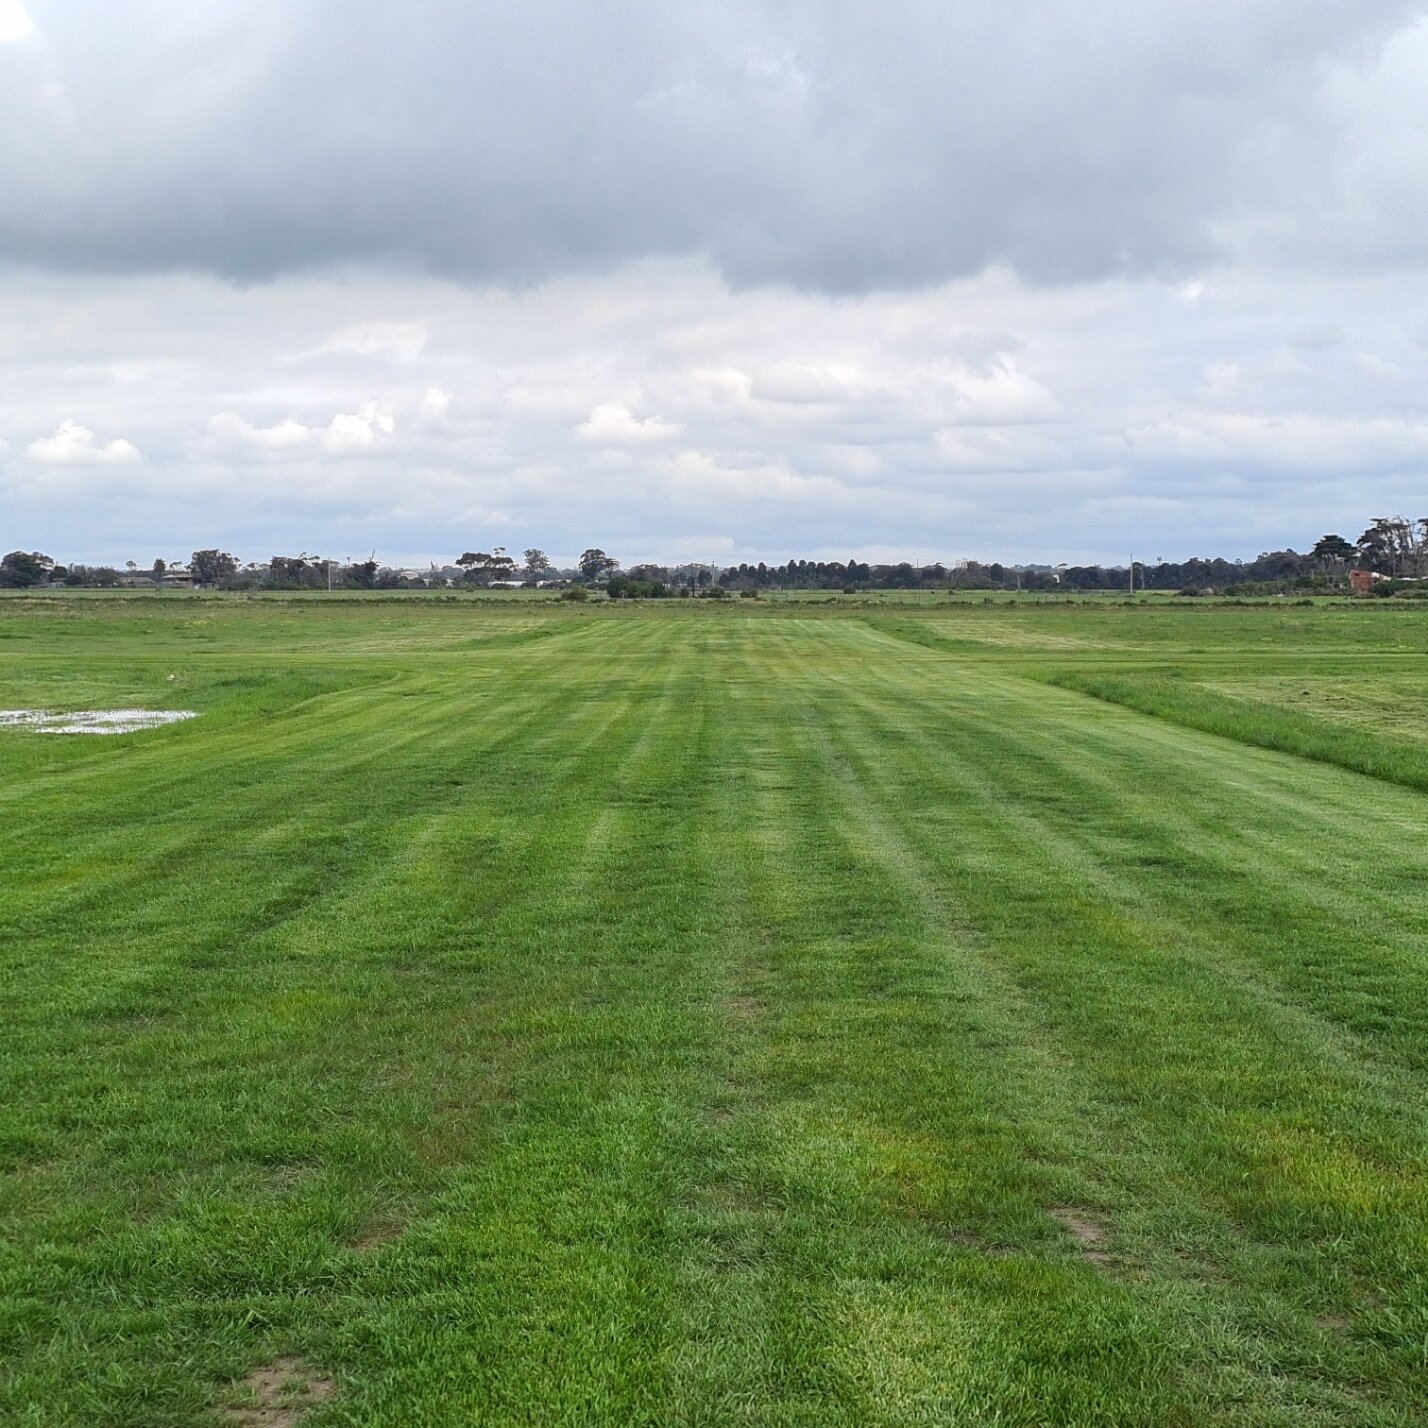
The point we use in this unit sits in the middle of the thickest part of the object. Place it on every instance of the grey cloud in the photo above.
(834, 145)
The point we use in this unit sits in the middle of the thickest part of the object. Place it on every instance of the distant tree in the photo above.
(22, 568)
(211, 566)
(289, 570)
(1333, 553)
(537, 563)
(364, 573)
(594, 563)
(483, 567)
(1374, 550)
(1333, 547)
(160, 566)
(1395, 546)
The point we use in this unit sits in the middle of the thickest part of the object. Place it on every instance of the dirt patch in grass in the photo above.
(1089, 1231)
(745, 1008)
(374, 1237)
(279, 1394)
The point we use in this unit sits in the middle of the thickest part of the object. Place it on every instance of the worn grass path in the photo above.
(696, 1016)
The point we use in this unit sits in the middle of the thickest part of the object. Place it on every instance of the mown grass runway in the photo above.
(776, 1015)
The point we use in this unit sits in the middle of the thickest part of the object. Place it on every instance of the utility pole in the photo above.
(1132, 573)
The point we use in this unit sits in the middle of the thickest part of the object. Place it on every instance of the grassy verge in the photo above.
(1261, 723)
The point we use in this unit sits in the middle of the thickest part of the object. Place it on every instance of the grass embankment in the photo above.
(1269, 724)
(695, 1015)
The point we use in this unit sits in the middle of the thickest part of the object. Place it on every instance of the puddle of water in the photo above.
(92, 721)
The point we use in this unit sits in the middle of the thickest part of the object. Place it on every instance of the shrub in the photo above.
(622, 587)
(576, 593)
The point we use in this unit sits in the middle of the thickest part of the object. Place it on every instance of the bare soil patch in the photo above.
(1089, 1231)
(281, 1392)
(374, 1237)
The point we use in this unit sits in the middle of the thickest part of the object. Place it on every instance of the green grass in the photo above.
(715, 1013)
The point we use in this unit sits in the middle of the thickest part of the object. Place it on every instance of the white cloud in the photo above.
(704, 478)
(74, 445)
(1295, 443)
(15, 22)
(403, 341)
(345, 433)
(358, 431)
(806, 383)
(228, 428)
(1376, 366)
(1000, 395)
(614, 422)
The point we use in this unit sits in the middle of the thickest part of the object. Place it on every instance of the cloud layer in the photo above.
(1027, 279)
(655, 411)
(828, 143)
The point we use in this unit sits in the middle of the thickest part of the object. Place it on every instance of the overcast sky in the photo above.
(1029, 279)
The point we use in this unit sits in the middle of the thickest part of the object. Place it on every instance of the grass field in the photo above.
(768, 1013)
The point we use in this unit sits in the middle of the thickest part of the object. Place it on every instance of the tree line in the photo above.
(1392, 551)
